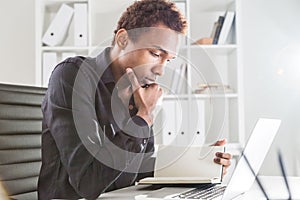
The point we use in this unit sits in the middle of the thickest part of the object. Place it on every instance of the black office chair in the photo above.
(20, 139)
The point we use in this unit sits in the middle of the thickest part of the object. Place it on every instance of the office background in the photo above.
(271, 59)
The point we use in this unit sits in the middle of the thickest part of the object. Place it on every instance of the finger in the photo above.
(221, 161)
(155, 86)
(220, 142)
(132, 78)
(224, 155)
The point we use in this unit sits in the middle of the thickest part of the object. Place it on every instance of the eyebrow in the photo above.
(163, 50)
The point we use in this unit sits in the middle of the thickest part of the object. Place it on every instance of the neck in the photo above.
(117, 69)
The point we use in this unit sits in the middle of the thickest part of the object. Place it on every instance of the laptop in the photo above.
(243, 176)
(196, 163)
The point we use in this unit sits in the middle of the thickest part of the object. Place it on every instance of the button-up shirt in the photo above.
(91, 142)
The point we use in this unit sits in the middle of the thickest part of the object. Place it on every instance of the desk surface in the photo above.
(274, 186)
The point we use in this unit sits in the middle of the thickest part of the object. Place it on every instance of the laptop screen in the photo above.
(255, 151)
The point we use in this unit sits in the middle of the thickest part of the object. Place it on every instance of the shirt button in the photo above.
(130, 107)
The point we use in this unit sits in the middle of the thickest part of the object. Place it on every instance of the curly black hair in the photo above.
(148, 13)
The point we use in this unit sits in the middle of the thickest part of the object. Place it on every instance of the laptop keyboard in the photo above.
(205, 192)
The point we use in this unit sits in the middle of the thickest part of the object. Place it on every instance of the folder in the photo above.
(58, 28)
(169, 132)
(182, 123)
(181, 7)
(182, 78)
(49, 62)
(80, 24)
(226, 27)
(175, 80)
(197, 130)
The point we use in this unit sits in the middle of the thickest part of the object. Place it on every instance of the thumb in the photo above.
(220, 142)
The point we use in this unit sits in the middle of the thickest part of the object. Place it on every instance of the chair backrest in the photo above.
(20, 139)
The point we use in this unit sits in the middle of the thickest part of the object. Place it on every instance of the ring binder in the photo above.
(80, 24)
(57, 30)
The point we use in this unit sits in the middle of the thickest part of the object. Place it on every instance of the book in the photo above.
(218, 29)
(182, 165)
(213, 88)
(213, 31)
(227, 24)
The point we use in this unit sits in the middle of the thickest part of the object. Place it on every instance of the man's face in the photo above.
(150, 53)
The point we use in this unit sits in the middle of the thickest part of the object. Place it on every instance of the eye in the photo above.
(154, 54)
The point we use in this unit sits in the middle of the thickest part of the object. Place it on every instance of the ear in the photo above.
(121, 38)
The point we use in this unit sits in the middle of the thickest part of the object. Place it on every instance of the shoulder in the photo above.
(67, 70)
(68, 65)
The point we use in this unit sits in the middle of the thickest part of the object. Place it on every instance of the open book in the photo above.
(185, 165)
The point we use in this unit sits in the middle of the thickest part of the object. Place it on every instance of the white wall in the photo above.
(17, 42)
(271, 54)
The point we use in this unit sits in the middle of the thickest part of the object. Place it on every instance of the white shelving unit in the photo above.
(206, 116)
(223, 113)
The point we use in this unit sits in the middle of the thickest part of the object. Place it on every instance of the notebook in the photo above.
(185, 165)
(243, 176)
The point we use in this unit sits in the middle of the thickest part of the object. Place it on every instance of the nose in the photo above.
(158, 70)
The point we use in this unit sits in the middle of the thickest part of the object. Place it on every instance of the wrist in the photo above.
(146, 116)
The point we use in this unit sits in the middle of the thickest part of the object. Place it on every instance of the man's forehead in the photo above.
(160, 38)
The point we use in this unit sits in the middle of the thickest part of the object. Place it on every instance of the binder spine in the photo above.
(80, 24)
(58, 29)
(49, 62)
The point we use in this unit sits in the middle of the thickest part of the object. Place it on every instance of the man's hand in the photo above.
(145, 98)
(222, 158)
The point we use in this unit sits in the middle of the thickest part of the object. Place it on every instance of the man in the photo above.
(98, 112)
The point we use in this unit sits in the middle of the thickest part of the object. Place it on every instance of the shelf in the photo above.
(199, 96)
(217, 49)
(174, 97)
(212, 5)
(49, 2)
(64, 48)
(208, 96)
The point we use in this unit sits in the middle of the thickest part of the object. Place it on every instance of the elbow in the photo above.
(88, 187)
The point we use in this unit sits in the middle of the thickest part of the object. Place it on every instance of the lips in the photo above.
(148, 81)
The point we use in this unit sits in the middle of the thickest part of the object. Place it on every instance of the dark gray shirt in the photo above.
(91, 143)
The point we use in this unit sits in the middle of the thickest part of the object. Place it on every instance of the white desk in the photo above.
(274, 187)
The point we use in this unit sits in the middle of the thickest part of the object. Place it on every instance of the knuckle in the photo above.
(155, 85)
(228, 155)
(227, 163)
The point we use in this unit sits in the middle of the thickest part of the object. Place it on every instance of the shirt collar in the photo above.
(103, 61)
